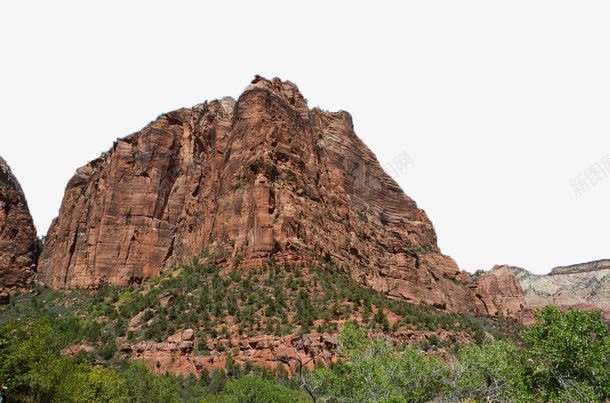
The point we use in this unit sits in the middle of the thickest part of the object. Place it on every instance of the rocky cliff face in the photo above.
(501, 292)
(583, 286)
(580, 285)
(18, 242)
(264, 176)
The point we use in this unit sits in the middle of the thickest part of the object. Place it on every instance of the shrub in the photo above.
(254, 389)
(93, 385)
(374, 371)
(570, 351)
(492, 372)
(30, 362)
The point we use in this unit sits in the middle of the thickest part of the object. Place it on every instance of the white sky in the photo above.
(499, 104)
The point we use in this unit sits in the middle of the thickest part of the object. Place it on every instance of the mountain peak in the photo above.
(284, 90)
(263, 178)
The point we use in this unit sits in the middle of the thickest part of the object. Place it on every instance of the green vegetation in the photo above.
(564, 357)
(571, 352)
(375, 372)
(33, 369)
(256, 389)
(278, 300)
(363, 217)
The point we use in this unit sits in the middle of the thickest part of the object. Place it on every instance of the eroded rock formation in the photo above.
(176, 355)
(583, 286)
(18, 242)
(264, 176)
(501, 292)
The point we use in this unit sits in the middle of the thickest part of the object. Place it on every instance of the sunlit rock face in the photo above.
(515, 292)
(18, 242)
(501, 293)
(264, 176)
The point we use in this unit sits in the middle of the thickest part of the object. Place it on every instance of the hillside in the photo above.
(196, 317)
(217, 336)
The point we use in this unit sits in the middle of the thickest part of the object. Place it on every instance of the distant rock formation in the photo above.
(583, 286)
(249, 180)
(501, 292)
(18, 242)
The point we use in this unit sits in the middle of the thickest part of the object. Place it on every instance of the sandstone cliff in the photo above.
(264, 176)
(18, 242)
(501, 292)
(583, 286)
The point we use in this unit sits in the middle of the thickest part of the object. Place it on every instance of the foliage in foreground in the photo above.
(34, 370)
(271, 300)
(565, 358)
(373, 371)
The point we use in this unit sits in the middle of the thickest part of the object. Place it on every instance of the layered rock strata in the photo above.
(582, 286)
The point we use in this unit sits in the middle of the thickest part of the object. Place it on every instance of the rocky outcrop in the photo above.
(244, 181)
(176, 355)
(501, 292)
(583, 286)
(18, 242)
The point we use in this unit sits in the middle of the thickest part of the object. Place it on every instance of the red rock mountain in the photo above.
(264, 176)
(18, 242)
(502, 293)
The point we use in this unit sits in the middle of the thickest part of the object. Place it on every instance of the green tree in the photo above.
(93, 385)
(376, 372)
(491, 372)
(146, 387)
(569, 351)
(254, 389)
(30, 361)
(419, 378)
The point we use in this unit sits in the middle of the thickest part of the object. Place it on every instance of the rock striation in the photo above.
(19, 247)
(583, 286)
(264, 176)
